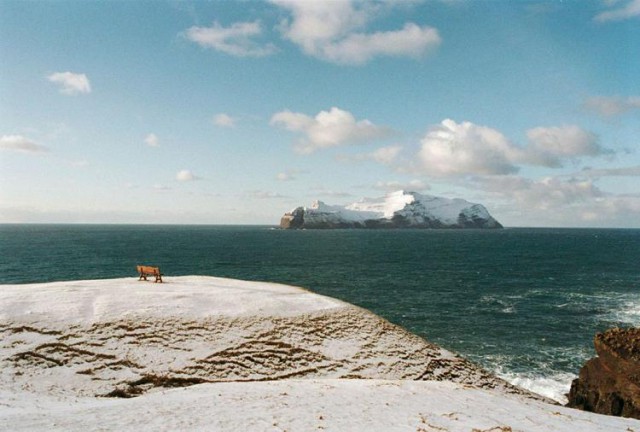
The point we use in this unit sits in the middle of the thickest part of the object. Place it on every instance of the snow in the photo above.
(268, 357)
(84, 302)
(305, 405)
(386, 206)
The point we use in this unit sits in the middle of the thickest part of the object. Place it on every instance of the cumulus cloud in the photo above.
(224, 120)
(21, 144)
(313, 22)
(186, 176)
(151, 140)
(548, 146)
(237, 39)
(386, 155)
(327, 129)
(609, 106)
(553, 201)
(412, 186)
(545, 194)
(619, 12)
(330, 31)
(451, 148)
(358, 48)
(71, 83)
(456, 149)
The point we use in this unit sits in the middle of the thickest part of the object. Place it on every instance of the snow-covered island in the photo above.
(204, 353)
(399, 209)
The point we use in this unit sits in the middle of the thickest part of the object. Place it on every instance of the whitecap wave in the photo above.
(554, 387)
(627, 312)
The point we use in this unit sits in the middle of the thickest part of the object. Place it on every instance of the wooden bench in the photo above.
(145, 271)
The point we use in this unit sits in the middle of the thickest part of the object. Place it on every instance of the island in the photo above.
(400, 209)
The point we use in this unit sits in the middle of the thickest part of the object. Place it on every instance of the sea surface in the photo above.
(523, 303)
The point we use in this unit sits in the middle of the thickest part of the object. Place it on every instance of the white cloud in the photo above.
(545, 194)
(451, 148)
(629, 9)
(456, 149)
(21, 144)
(412, 186)
(328, 30)
(224, 120)
(71, 83)
(327, 129)
(318, 23)
(186, 176)
(609, 106)
(236, 40)
(386, 155)
(552, 201)
(548, 146)
(358, 48)
(151, 140)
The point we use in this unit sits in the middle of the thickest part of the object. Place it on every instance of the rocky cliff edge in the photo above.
(610, 383)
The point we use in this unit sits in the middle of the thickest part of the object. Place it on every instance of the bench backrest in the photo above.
(148, 270)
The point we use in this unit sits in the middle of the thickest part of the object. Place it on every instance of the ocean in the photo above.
(523, 303)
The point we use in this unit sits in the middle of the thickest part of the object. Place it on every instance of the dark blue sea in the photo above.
(523, 303)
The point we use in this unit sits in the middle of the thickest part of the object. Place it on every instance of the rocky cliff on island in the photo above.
(610, 383)
(399, 209)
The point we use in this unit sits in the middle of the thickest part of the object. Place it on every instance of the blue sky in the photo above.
(235, 112)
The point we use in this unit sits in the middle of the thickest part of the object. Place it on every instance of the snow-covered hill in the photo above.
(122, 337)
(399, 209)
(246, 356)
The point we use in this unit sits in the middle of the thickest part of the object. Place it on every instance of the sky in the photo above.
(221, 112)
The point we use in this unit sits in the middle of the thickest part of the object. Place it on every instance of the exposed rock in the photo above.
(396, 210)
(292, 220)
(610, 383)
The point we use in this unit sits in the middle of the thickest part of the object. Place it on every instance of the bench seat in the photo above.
(145, 271)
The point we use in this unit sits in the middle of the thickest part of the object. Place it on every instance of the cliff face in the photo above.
(610, 383)
(396, 210)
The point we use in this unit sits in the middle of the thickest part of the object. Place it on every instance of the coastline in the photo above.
(66, 342)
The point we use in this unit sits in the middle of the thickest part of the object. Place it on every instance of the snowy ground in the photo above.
(247, 356)
(309, 405)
